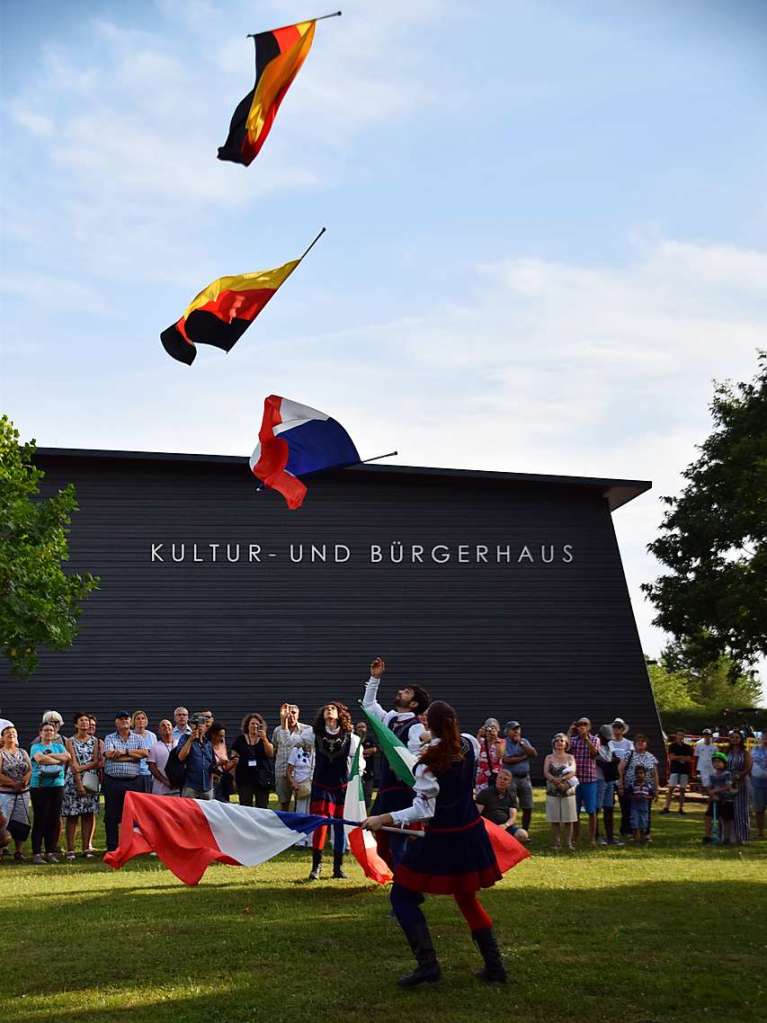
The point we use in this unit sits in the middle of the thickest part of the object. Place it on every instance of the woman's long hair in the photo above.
(443, 725)
(344, 717)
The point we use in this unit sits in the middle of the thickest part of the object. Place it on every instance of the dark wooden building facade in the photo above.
(503, 593)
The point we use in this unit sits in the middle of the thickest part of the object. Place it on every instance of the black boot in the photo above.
(427, 971)
(494, 971)
(316, 870)
(338, 864)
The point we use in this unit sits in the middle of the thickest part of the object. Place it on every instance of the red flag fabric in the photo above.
(508, 851)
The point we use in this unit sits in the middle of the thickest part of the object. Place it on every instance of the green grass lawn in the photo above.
(662, 933)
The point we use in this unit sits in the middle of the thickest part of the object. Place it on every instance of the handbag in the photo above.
(49, 770)
(303, 789)
(90, 780)
(19, 831)
(265, 774)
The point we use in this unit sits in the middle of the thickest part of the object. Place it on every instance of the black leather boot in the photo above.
(494, 972)
(427, 971)
(316, 871)
(338, 864)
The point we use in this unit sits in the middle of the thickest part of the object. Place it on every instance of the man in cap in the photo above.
(704, 748)
(123, 749)
(517, 759)
(585, 748)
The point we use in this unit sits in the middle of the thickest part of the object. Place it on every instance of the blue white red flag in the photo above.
(190, 834)
(295, 440)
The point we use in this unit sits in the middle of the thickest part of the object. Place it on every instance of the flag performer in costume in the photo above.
(335, 744)
(455, 856)
(402, 720)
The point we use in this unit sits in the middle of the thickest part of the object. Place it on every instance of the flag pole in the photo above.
(309, 248)
(390, 454)
(298, 263)
(323, 17)
(408, 832)
(306, 252)
(404, 831)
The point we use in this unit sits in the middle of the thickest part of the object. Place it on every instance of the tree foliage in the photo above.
(39, 602)
(711, 688)
(714, 536)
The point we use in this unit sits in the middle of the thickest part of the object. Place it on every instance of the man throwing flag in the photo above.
(403, 721)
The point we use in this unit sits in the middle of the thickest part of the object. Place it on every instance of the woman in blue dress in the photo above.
(454, 857)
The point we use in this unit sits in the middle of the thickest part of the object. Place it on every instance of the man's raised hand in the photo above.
(377, 668)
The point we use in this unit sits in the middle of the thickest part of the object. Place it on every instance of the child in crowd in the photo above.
(642, 794)
(721, 801)
(300, 768)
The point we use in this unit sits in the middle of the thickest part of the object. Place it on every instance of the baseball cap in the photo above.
(511, 724)
(719, 756)
(621, 722)
(122, 714)
(706, 731)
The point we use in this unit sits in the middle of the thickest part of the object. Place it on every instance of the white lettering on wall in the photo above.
(393, 552)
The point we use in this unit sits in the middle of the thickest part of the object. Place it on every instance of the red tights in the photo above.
(474, 914)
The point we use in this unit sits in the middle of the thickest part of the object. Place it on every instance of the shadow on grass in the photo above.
(213, 953)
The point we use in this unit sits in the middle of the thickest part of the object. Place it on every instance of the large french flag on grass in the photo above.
(190, 834)
(295, 440)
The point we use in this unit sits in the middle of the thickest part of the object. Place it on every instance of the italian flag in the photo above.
(361, 842)
(399, 757)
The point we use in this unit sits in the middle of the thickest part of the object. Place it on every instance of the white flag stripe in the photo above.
(250, 836)
(292, 413)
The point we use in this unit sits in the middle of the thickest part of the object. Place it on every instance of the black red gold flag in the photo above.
(223, 311)
(279, 56)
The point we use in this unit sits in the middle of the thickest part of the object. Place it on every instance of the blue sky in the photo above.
(546, 229)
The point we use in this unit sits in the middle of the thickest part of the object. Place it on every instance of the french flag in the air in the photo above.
(295, 440)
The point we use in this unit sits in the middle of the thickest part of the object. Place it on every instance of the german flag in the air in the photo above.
(223, 311)
(279, 56)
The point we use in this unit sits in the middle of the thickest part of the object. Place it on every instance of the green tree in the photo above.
(714, 536)
(713, 688)
(670, 688)
(39, 602)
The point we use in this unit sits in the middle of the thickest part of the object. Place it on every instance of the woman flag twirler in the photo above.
(456, 856)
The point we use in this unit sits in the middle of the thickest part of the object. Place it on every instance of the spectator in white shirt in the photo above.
(705, 748)
(158, 758)
(289, 733)
(181, 727)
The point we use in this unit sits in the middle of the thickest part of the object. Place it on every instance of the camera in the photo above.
(197, 719)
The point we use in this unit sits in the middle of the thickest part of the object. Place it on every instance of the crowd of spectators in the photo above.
(55, 788)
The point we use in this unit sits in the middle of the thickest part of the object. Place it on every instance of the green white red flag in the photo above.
(399, 757)
(362, 843)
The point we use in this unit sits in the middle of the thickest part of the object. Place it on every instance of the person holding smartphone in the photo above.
(254, 770)
(199, 757)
